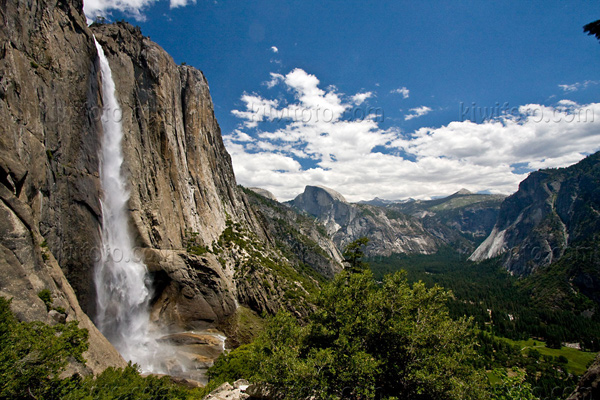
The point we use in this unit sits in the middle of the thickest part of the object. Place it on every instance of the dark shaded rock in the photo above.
(302, 239)
(589, 385)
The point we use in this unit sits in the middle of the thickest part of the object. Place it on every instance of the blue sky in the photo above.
(424, 69)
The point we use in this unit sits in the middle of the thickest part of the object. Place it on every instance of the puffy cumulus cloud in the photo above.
(310, 139)
(135, 8)
(403, 91)
(540, 136)
(360, 98)
(417, 112)
(313, 105)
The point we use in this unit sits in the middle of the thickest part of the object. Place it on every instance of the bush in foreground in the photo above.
(365, 340)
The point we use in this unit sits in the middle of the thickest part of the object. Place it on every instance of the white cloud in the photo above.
(403, 91)
(180, 3)
(540, 136)
(361, 160)
(95, 8)
(569, 88)
(274, 49)
(417, 112)
(239, 136)
(577, 86)
(257, 110)
(135, 8)
(275, 79)
(360, 98)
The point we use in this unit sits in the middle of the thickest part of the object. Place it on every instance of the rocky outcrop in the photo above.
(264, 193)
(226, 391)
(302, 239)
(553, 210)
(242, 390)
(346, 222)
(589, 384)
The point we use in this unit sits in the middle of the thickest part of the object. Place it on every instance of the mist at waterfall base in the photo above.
(123, 285)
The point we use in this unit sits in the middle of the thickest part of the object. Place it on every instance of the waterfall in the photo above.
(123, 287)
(121, 278)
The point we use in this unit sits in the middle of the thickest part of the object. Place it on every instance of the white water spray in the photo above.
(121, 278)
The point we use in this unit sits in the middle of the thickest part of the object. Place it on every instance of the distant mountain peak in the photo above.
(334, 194)
(464, 192)
(263, 192)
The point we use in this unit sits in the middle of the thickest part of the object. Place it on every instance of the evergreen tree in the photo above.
(354, 254)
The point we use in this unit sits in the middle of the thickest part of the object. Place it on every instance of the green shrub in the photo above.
(122, 384)
(512, 387)
(46, 297)
(33, 354)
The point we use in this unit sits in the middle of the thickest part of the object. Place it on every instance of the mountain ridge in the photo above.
(405, 227)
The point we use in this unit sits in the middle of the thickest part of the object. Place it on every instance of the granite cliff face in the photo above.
(182, 182)
(194, 227)
(552, 210)
(549, 232)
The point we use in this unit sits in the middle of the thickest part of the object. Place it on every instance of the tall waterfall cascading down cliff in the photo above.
(124, 288)
(121, 278)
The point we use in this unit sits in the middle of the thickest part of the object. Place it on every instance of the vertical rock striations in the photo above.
(200, 238)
